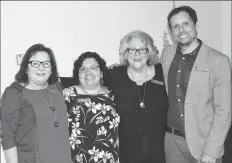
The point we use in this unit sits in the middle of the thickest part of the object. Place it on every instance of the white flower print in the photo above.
(106, 156)
(93, 129)
(104, 108)
(100, 119)
(76, 110)
(74, 141)
(95, 154)
(69, 92)
(114, 123)
(106, 118)
(75, 127)
(92, 105)
(79, 158)
(102, 131)
(111, 140)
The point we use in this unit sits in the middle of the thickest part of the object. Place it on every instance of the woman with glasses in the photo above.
(92, 116)
(141, 100)
(33, 112)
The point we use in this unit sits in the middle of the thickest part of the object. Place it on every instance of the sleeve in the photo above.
(222, 106)
(10, 113)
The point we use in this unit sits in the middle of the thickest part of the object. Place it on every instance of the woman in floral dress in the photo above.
(93, 120)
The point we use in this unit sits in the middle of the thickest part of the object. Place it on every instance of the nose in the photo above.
(41, 67)
(137, 52)
(88, 71)
(182, 28)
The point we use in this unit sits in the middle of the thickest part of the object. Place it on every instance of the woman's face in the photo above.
(89, 73)
(137, 53)
(39, 69)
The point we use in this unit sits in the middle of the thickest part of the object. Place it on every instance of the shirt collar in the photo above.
(194, 52)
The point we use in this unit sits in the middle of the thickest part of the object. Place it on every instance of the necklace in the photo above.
(50, 105)
(98, 92)
(142, 104)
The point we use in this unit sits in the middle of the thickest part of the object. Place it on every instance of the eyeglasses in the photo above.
(141, 51)
(83, 70)
(37, 64)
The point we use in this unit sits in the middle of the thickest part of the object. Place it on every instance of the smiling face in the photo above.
(138, 59)
(90, 74)
(38, 77)
(183, 28)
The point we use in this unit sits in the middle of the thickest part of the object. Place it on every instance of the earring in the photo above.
(101, 81)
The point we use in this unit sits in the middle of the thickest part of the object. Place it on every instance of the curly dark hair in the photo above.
(187, 9)
(78, 63)
(22, 77)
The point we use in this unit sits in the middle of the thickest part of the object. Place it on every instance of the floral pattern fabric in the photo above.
(93, 127)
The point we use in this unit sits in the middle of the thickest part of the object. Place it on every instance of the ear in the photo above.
(101, 74)
(196, 26)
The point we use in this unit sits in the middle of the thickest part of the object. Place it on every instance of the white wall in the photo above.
(73, 27)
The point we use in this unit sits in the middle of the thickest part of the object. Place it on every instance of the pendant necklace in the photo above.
(142, 102)
(50, 105)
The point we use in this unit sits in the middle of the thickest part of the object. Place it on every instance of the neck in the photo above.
(140, 70)
(190, 47)
(34, 86)
(92, 90)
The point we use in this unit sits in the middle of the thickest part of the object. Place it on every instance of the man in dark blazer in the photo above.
(198, 82)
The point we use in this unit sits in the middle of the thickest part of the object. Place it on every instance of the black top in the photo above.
(178, 78)
(138, 122)
(93, 127)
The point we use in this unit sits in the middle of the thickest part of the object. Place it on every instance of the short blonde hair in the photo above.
(153, 51)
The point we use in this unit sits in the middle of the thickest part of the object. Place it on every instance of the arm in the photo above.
(10, 112)
(222, 106)
(11, 155)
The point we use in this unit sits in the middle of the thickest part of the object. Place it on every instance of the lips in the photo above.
(40, 74)
(137, 59)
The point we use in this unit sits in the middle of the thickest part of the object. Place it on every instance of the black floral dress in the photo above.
(93, 127)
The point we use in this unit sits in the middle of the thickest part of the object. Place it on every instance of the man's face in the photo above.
(183, 28)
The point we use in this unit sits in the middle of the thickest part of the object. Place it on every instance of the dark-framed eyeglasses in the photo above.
(83, 69)
(37, 64)
(142, 51)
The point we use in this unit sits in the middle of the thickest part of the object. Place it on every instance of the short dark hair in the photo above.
(78, 63)
(187, 9)
(22, 77)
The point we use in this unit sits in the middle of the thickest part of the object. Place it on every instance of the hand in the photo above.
(208, 159)
(113, 65)
(65, 91)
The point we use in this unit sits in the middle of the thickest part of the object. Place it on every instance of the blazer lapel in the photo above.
(201, 64)
(168, 60)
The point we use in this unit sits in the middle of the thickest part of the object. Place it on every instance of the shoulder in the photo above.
(216, 57)
(159, 72)
(118, 71)
(213, 52)
(14, 89)
(12, 97)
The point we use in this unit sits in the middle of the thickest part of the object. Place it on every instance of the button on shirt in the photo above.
(178, 78)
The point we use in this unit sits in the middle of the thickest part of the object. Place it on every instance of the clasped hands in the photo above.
(207, 159)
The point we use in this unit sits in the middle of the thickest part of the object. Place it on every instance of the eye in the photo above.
(186, 23)
(47, 64)
(82, 69)
(35, 63)
(130, 50)
(175, 27)
(94, 68)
